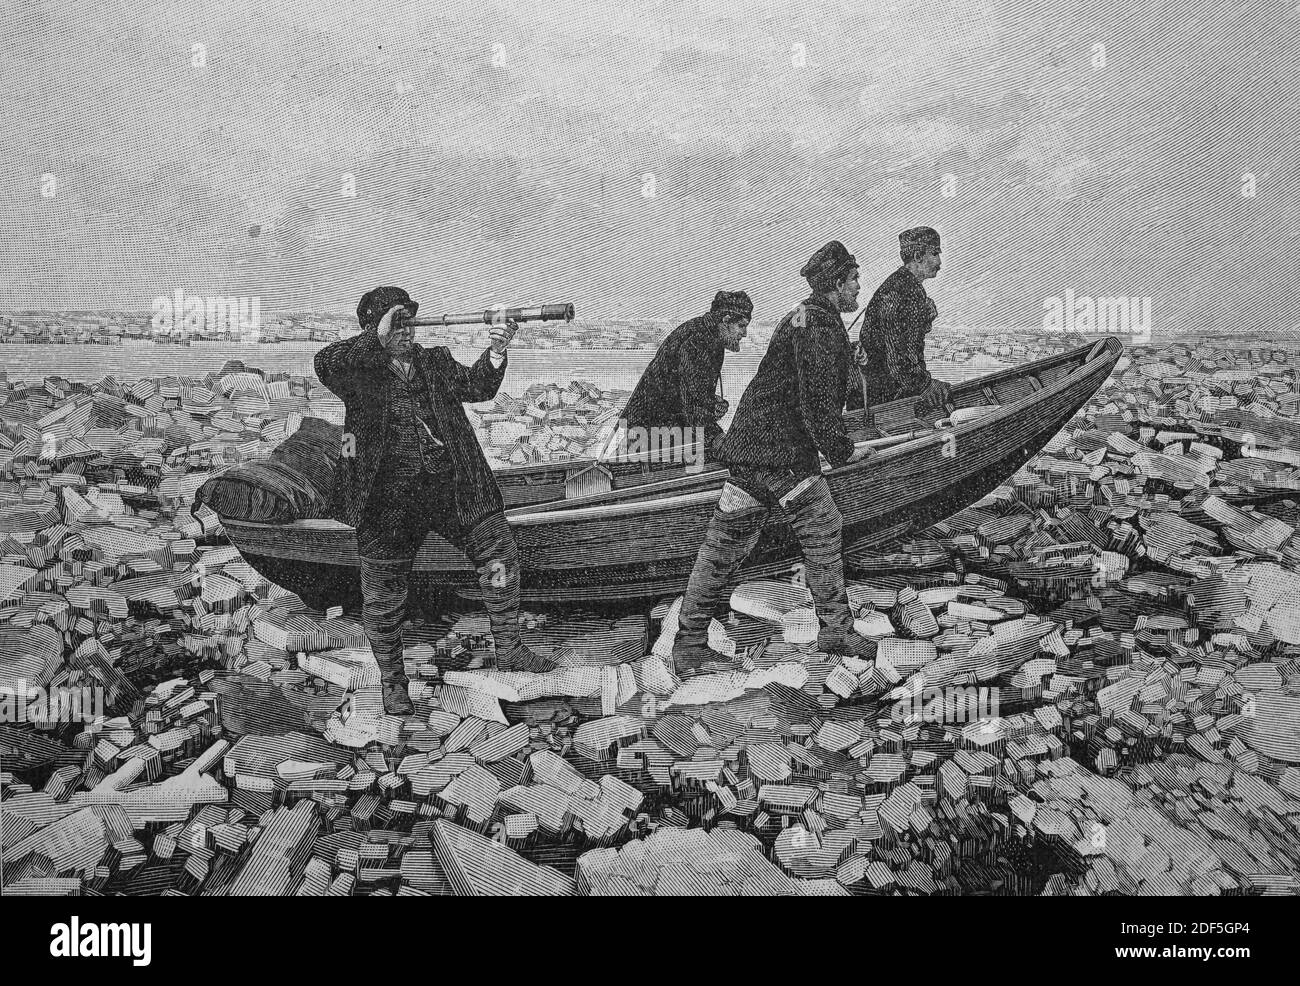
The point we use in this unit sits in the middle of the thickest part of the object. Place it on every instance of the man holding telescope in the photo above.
(413, 465)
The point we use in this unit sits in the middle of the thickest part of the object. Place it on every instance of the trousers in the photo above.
(743, 509)
(398, 517)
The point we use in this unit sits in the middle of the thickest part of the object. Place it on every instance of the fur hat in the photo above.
(828, 265)
(375, 303)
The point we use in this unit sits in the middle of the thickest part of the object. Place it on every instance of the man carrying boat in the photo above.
(789, 416)
(677, 389)
(411, 464)
(891, 347)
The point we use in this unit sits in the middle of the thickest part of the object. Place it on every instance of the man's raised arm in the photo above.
(479, 382)
(339, 365)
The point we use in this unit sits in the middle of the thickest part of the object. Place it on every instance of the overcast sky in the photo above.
(501, 152)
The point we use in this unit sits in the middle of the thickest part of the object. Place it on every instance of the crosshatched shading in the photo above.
(986, 582)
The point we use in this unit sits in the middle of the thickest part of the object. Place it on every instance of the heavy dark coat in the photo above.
(793, 407)
(357, 370)
(677, 388)
(894, 326)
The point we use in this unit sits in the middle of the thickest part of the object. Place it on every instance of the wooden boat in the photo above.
(638, 540)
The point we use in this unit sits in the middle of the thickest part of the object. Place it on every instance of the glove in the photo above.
(860, 453)
(934, 396)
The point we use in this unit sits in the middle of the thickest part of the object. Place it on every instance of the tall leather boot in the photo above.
(383, 591)
(491, 547)
(730, 538)
(820, 527)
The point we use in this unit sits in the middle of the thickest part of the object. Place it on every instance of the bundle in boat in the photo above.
(293, 483)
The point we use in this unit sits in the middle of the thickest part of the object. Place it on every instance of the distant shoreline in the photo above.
(761, 329)
(611, 369)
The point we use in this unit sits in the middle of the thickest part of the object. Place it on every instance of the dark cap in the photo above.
(375, 303)
(732, 303)
(922, 237)
(829, 264)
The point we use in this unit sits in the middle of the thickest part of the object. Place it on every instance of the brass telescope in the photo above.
(498, 316)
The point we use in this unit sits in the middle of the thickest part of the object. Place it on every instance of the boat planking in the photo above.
(638, 540)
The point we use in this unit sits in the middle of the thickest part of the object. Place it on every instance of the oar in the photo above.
(878, 443)
(667, 487)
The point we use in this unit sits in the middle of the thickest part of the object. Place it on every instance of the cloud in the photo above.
(499, 152)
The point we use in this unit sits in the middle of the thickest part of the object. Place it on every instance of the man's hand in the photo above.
(861, 452)
(934, 396)
(394, 334)
(720, 407)
(502, 335)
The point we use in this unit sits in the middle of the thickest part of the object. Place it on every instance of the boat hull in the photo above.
(645, 549)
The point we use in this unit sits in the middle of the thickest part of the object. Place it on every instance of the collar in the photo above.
(913, 278)
(412, 355)
(816, 301)
(412, 372)
(712, 323)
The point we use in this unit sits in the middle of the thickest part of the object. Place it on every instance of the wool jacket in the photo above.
(357, 371)
(677, 388)
(793, 408)
(892, 341)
